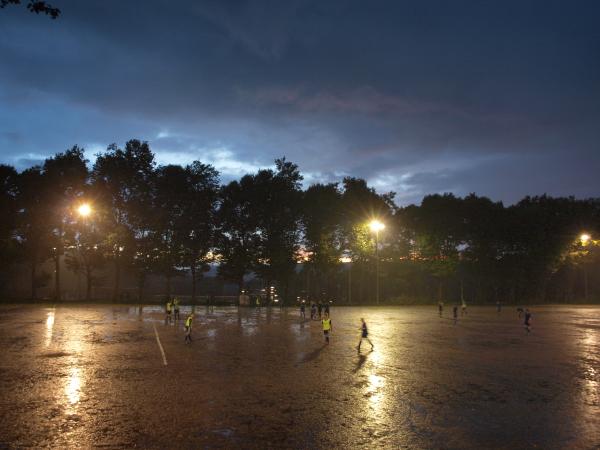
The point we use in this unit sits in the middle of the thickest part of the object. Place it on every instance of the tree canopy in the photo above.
(310, 242)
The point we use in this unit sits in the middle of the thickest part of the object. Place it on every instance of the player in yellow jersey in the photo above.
(327, 327)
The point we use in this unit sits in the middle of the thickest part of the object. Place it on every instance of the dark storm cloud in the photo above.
(417, 97)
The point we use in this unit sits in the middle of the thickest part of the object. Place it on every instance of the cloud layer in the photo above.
(498, 98)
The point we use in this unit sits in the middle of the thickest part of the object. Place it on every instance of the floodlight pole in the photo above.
(350, 283)
(377, 267)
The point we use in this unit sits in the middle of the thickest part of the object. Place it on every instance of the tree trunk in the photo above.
(285, 293)
(117, 286)
(141, 282)
(33, 281)
(193, 272)
(88, 281)
(57, 277)
(349, 283)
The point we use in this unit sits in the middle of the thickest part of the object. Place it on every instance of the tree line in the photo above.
(315, 244)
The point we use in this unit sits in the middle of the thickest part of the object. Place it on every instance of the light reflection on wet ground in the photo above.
(49, 326)
(81, 376)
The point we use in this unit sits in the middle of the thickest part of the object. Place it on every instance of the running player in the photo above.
(188, 328)
(327, 327)
(168, 316)
(176, 308)
(364, 334)
(527, 321)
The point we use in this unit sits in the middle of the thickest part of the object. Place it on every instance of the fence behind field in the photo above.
(222, 300)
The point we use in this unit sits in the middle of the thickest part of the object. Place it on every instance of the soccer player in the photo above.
(364, 334)
(527, 321)
(168, 316)
(327, 327)
(176, 308)
(188, 328)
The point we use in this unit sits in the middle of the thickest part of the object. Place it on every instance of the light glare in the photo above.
(84, 210)
(376, 226)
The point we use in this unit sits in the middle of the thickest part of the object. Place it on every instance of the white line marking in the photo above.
(160, 345)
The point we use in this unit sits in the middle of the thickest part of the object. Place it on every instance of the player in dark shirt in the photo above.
(364, 334)
(527, 321)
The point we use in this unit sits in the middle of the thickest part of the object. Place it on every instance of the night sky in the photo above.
(501, 98)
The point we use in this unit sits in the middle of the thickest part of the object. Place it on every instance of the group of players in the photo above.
(521, 311)
(318, 311)
(172, 309)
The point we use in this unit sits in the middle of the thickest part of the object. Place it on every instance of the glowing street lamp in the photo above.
(84, 210)
(376, 226)
(585, 239)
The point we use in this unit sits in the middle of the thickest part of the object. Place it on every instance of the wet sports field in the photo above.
(103, 376)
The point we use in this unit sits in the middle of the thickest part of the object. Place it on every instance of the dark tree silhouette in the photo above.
(196, 226)
(35, 6)
(8, 209)
(65, 177)
(33, 227)
(278, 211)
(322, 224)
(172, 220)
(237, 237)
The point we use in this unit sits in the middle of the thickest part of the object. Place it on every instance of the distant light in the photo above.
(585, 238)
(121, 249)
(345, 259)
(376, 226)
(84, 210)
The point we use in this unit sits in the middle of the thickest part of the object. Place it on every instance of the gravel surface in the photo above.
(94, 376)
